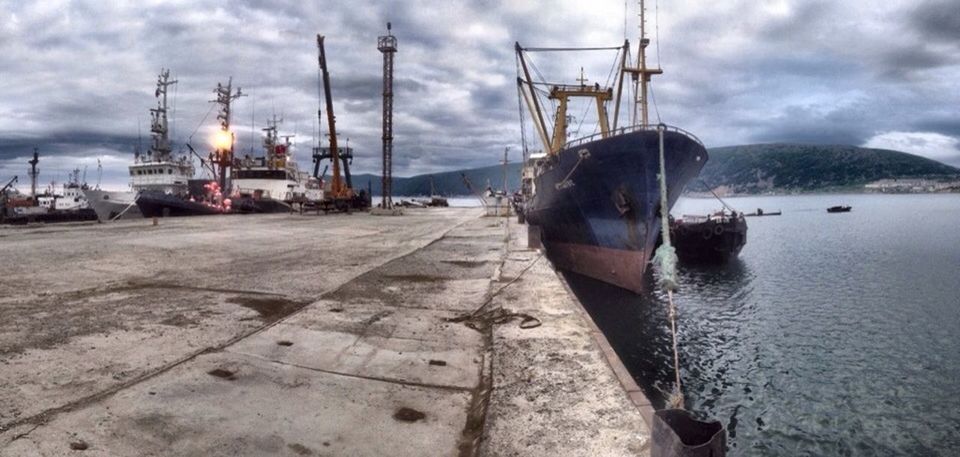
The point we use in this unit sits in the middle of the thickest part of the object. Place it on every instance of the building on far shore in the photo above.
(914, 185)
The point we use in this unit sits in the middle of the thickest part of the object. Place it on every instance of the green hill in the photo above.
(809, 168)
(746, 169)
(448, 183)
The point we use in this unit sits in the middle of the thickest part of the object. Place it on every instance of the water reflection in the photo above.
(638, 326)
(830, 335)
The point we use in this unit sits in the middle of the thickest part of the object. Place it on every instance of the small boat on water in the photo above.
(839, 209)
(761, 212)
(715, 238)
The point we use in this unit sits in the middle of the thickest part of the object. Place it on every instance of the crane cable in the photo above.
(666, 257)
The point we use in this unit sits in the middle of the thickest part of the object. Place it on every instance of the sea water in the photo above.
(831, 334)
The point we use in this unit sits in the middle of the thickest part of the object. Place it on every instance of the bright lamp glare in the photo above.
(222, 139)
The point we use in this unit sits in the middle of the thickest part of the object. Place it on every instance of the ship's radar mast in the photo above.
(641, 74)
(160, 146)
(224, 139)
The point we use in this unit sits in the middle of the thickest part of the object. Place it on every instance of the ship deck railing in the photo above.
(630, 129)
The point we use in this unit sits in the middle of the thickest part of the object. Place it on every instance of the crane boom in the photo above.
(336, 185)
(4, 189)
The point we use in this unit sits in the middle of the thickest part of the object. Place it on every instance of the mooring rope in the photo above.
(134, 202)
(564, 183)
(499, 315)
(666, 257)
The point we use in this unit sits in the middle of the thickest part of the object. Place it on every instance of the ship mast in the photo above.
(562, 93)
(641, 74)
(271, 140)
(160, 147)
(223, 155)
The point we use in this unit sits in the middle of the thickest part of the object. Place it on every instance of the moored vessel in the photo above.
(273, 182)
(595, 200)
(166, 198)
(157, 171)
(714, 238)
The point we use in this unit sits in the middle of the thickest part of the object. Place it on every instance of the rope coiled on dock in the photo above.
(480, 319)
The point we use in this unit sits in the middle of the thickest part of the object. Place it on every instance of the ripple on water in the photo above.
(832, 334)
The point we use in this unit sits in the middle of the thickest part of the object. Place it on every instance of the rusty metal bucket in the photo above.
(676, 433)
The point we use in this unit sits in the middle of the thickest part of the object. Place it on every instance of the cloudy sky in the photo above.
(76, 77)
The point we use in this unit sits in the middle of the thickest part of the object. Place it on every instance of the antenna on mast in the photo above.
(641, 74)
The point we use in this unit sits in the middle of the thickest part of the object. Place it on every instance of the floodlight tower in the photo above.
(388, 46)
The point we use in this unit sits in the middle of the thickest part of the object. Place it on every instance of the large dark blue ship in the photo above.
(597, 204)
(596, 200)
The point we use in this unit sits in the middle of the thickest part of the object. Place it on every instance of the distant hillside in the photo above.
(747, 169)
(447, 183)
(805, 168)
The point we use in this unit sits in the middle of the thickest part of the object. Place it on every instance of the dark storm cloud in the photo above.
(949, 126)
(812, 125)
(938, 20)
(65, 144)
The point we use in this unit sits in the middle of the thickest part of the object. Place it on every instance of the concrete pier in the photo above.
(301, 335)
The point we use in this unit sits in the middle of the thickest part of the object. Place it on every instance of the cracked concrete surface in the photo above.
(290, 335)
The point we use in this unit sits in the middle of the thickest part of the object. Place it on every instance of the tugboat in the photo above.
(715, 238)
(596, 201)
(48, 207)
(72, 197)
(273, 183)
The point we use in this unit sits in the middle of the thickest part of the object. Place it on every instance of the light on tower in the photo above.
(223, 139)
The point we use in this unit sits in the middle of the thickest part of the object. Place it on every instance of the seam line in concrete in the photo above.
(355, 376)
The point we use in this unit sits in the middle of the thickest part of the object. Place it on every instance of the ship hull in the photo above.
(261, 205)
(113, 205)
(597, 204)
(155, 204)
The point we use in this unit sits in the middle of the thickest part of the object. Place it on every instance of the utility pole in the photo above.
(388, 46)
(34, 173)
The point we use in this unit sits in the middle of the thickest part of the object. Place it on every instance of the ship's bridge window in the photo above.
(169, 171)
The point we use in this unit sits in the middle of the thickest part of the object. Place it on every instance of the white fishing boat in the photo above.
(158, 170)
(273, 182)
